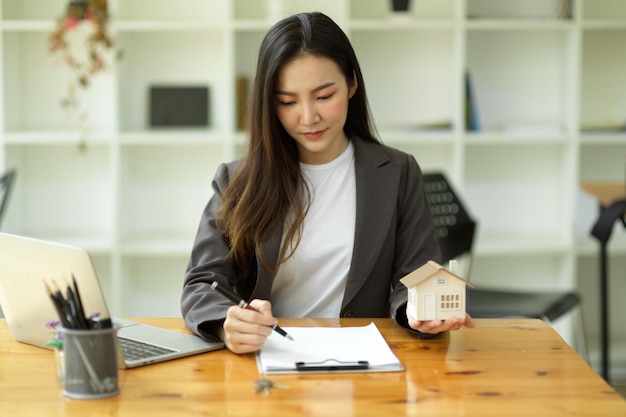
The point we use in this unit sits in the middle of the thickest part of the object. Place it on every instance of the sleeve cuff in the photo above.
(210, 330)
(401, 319)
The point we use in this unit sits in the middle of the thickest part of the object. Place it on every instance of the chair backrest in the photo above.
(454, 226)
(6, 183)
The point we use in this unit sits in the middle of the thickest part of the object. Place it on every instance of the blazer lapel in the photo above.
(376, 192)
(376, 185)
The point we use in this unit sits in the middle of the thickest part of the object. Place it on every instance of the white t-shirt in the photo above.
(313, 281)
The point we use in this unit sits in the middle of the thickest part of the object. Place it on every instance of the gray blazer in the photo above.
(394, 235)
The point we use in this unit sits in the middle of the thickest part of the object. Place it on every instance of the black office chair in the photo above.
(6, 183)
(455, 234)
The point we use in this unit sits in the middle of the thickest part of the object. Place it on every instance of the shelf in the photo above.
(533, 25)
(32, 9)
(516, 10)
(35, 84)
(426, 92)
(534, 79)
(54, 193)
(143, 66)
(517, 190)
(167, 26)
(603, 94)
(253, 25)
(604, 25)
(416, 136)
(28, 25)
(165, 188)
(145, 296)
(611, 10)
(168, 11)
(499, 138)
(394, 24)
(133, 194)
(603, 162)
(158, 246)
(521, 271)
(590, 247)
(97, 245)
(174, 137)
(422, 10)
(62, 137)
(603, 138)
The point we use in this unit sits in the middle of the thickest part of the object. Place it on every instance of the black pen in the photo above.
(244, 304)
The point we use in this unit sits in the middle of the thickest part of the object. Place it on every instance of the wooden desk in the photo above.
(500, 368)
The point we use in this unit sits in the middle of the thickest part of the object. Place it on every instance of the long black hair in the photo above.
(269, 187)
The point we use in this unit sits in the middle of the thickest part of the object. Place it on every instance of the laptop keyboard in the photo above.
(135, 350)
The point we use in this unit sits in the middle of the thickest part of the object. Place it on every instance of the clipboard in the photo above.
(329, 365)
(327, 350)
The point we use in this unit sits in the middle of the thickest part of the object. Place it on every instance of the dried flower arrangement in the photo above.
(98, 41)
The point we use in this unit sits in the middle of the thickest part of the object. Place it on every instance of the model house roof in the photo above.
(426, 271)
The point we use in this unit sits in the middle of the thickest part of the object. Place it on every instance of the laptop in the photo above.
(26, 263)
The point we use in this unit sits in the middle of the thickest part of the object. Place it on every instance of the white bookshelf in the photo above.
(133, 195)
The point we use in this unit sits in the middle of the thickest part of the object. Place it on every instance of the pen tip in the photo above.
(290, 338)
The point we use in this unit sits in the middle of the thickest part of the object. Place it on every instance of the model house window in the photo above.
(450, 302)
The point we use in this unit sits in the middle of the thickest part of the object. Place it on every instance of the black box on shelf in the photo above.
(179, 106)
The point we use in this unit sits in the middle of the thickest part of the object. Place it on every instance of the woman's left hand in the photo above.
(438, 326)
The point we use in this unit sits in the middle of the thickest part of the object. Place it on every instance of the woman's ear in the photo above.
(353, 86)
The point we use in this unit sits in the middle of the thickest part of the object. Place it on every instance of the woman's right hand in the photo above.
(245, 330)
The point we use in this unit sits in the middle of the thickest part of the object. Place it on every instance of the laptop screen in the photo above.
(25, 264)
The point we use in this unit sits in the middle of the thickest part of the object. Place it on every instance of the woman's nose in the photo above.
(309, 115)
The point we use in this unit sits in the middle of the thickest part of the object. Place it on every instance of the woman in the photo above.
(319, 219)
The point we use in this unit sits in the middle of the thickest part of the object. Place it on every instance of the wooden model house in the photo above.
(435, 293)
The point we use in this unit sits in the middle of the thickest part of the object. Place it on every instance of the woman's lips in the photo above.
(314, 135)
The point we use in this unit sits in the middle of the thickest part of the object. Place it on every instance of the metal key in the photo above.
(267, 385)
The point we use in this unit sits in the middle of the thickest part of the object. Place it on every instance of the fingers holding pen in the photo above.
(265, 308)
(245, 330)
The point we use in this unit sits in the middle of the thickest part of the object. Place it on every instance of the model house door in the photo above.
(429, 307)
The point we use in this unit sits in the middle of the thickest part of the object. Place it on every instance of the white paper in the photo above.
(327, 344)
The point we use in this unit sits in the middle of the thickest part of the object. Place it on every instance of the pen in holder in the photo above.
(90, 362)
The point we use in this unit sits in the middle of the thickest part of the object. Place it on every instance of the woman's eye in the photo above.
(286, 103)
(326, 97)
